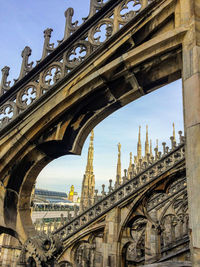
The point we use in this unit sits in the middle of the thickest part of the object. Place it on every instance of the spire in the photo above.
(118, 176)
(146, 142)
(151, 148)
(130, 165)
(174, 134)
(131, 160)
(89, 167)
(88, 184)
(139, 145)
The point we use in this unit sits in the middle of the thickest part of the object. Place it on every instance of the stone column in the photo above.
(152, 240)
(111, 257)
(10, 251)
(190, 16)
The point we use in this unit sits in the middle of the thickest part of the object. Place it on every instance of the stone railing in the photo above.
(148, 172)
(60, 62)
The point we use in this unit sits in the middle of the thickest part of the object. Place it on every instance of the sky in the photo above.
(22, 23)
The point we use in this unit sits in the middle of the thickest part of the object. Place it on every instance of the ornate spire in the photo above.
(139, 145)
(174, 134)
(151, 154)
(118, 176)
(89, 167)
(130, 165)
(146, 142)
(156, 149)
(88, 184)
(157, 143)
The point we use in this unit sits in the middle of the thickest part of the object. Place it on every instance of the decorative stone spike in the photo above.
(25, 67)
(145, 164)
(159, 155)
(125, 173)
(164, 148)
(70, 27)
(172, 142)
(95, 5)
(156, 153)
(137, 169)
(110, 188)
(103, 190)
(167, 149)
(180, 136)
(133, 169)
(125, 178)
(47, 47)
(95, 196)
(5, 85)
(148, 158)
(140, 164)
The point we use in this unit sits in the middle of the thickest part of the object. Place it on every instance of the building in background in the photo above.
(46, 196)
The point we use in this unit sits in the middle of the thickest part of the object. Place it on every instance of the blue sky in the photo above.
(22, 23)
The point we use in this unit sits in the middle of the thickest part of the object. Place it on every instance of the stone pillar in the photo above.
(152, 244)
(152, 240)
(110, 244)
(190, 16)
(10, 251)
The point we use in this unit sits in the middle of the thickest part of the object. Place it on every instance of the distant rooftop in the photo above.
(46, 193)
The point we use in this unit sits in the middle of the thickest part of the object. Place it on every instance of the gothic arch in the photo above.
(64, 134)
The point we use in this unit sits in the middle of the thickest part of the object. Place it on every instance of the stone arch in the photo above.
(66, 135)
(124, 252)
(140, 206)
(132, 247)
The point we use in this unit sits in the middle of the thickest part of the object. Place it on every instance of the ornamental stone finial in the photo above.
(164, 147)
(110, 188)
(47, 47)
(47, 32)
(103, 190)
(25, 67)
(5, 85)
(70, 27)
(95, 5)
(180, 137)
(147, 142)
(118, 175)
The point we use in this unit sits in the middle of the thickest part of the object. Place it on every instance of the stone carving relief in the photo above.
(136, 249)
(85, 255)
(165, 223)
(40, 251)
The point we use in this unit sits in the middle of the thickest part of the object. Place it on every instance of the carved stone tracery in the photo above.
(85, 255)
(72, 56)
